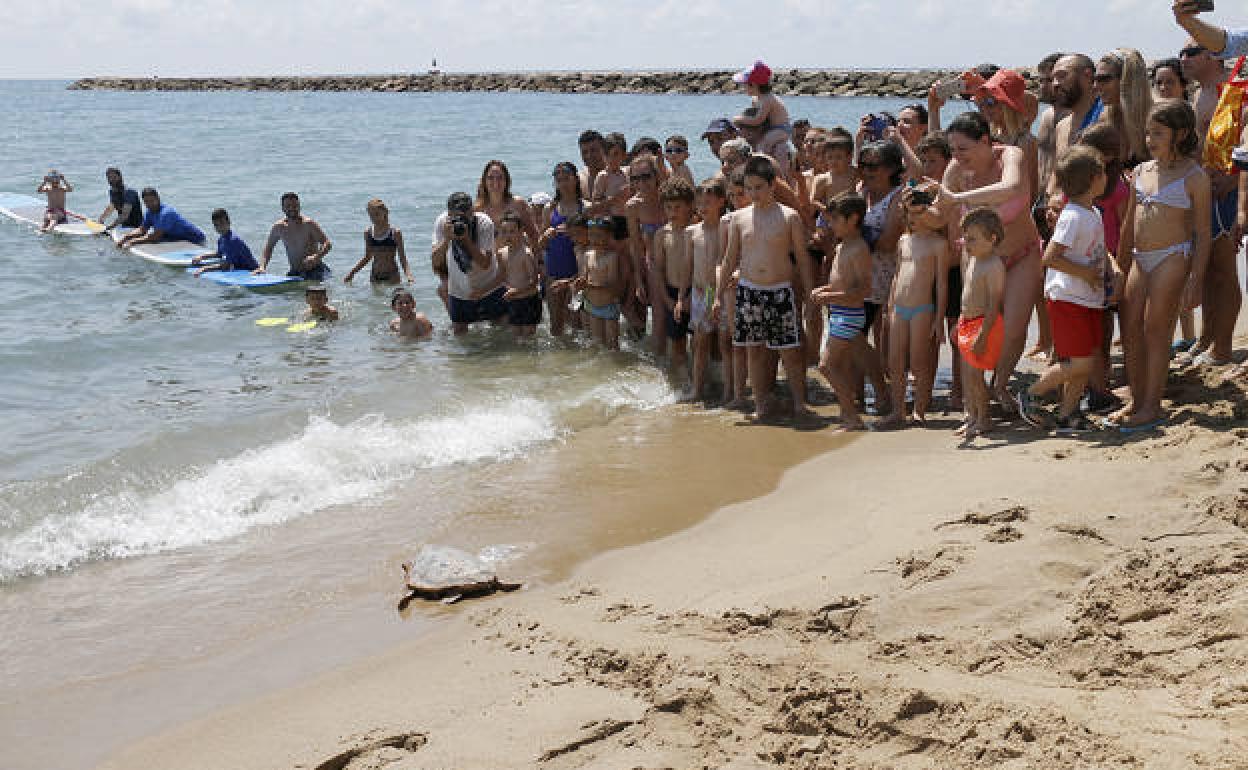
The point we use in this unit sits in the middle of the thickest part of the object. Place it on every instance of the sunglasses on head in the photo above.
(641, 177)
(1190, 51)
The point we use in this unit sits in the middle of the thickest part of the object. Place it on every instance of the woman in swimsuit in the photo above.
(494, 198)
(882, 168)
(559, 250)
(383, 246)
(984, 173)
(645, 218)
(1168, 237)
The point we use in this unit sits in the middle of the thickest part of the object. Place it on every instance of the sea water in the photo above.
(161, 450)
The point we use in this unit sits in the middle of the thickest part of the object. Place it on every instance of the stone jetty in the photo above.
(911, 84)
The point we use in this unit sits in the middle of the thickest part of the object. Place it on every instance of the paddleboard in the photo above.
(30, 210)
(246, 279)
(170, 253)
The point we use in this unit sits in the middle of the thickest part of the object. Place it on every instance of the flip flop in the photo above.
(1130, 430)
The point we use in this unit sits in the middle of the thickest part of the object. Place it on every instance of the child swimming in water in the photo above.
(382, 244)
(317, 297)
(409, 323)
(772, 116)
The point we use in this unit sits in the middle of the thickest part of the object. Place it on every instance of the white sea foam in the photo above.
(327, 464)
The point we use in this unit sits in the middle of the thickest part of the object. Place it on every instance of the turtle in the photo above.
(446, 574)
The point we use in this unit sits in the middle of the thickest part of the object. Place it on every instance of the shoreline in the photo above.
(1055, 602)
(907, 83)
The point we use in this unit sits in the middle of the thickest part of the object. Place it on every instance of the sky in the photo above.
(64, 39)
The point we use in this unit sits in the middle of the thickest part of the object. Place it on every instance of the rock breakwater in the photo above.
(880, 83)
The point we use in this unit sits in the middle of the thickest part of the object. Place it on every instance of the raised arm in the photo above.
(1013, 182)
(1205, 34)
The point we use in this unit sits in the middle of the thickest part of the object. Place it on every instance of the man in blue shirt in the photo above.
(161, 223)
(232, 252)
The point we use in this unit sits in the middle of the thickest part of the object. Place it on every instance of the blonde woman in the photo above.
(1125, 88)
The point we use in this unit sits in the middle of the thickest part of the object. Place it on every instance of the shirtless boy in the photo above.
(760, 240)
(601, 280)
(524, 303)
(673, 265)
(56, 186)
(840, 176)
(610, 199)
(305, 242)
(980, 329)
(676, 149)
(915, 327)
(708, 254)
(409, 323)
(849, 281)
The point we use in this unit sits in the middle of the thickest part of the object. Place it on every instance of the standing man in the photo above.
(1072, 91)
(1046, 132)
(719, 131)
(1222, 298)
(161, 223)
(123, 201)
(463, 258)
(305, 242)
(594, 155)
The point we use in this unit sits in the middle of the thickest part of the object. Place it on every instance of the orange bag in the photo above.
(1227, 123)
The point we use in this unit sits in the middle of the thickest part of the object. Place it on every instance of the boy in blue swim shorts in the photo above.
(849, 281)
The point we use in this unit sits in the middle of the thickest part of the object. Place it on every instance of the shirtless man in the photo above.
(1222, 298)
(1072, 91)
(305, 242)
(760, 240)
(1046, 132)
(593, 155)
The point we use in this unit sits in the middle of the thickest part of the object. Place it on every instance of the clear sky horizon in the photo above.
(57, 38)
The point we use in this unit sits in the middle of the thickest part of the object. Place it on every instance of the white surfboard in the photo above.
(170, 253)
(30, 210)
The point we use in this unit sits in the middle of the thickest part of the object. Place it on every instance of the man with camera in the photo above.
(463, 257)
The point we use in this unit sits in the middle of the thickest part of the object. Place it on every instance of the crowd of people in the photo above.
(864, 251)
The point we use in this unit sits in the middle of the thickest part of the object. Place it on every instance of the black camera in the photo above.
(459, 226)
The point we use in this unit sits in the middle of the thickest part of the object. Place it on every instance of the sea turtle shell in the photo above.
(450, 574)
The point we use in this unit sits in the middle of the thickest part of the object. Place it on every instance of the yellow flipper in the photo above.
(272, 321)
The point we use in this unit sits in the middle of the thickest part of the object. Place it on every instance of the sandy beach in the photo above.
(893, 603)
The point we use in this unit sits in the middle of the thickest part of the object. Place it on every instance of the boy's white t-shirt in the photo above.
(1081, 231)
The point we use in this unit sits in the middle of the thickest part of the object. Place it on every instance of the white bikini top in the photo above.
(1173, 195)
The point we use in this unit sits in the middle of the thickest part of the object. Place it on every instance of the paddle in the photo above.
(95, 227)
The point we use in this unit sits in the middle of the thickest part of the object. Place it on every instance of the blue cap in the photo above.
(719, 126)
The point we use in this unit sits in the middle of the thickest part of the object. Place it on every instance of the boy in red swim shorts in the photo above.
(1074, 290)
(980, 329)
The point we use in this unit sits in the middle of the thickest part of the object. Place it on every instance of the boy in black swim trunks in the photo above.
(760, 240)
(524, 303)
(673, 264)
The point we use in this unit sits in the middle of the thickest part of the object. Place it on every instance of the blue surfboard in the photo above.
(248, 280)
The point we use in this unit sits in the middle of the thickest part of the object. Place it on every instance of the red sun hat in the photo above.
(1007, 87)
(758, 75)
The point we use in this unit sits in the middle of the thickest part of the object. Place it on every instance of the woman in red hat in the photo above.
(1001, 100)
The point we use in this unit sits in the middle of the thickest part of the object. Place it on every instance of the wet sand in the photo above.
(1027, 602)
(221, 625)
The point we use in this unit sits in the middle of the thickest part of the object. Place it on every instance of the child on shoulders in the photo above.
(772, 116)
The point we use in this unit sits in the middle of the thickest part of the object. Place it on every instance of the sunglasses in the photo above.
(1190, 51)
(677, 151)
(641, 177)
(1104, 77)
